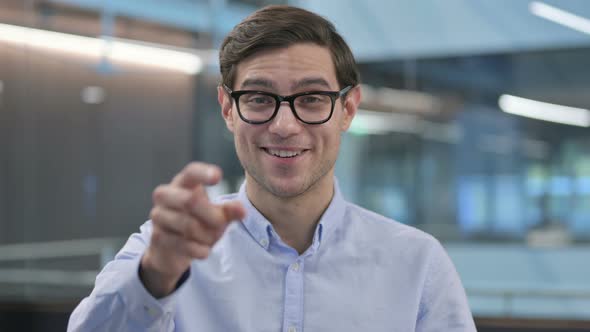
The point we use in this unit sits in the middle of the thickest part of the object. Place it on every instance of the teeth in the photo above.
(283, 153)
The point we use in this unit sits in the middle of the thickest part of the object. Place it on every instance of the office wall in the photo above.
(71, 169)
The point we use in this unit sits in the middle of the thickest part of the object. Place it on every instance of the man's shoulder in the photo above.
(378, 224)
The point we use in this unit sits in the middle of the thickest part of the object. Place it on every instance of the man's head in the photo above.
(287, 51)
(281, 26)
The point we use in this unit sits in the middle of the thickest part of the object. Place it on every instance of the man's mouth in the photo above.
(283, 153)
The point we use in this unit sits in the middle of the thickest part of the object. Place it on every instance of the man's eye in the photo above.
(310, 99)
(259, 99)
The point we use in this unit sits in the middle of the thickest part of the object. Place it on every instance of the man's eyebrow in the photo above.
(257, 82)
(311, 81)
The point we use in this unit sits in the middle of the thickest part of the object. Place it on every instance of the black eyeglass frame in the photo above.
(334, 95)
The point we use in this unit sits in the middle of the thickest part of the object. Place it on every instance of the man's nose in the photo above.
(285, 123)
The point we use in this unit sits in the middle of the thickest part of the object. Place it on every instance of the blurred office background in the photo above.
(474, 128)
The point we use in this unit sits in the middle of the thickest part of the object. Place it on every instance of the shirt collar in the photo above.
(261, 229)
(255, 223)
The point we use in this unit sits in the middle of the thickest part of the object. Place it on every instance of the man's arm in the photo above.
(135, 292)
(443, 306)
(119, 300)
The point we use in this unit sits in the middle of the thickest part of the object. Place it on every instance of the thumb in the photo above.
(234, 210)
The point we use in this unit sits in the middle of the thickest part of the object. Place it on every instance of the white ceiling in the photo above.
(394, 29)
(383, 29)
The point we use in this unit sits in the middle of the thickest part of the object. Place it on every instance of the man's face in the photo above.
(308, 152)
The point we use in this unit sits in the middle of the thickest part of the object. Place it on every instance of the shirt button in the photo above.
(264, 242)
(151, 311)
(295, 266)
(292, 329)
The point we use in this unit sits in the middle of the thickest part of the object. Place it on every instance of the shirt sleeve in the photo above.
(119, 300)
(443, 304)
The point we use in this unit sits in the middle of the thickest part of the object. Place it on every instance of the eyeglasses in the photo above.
(312, 107)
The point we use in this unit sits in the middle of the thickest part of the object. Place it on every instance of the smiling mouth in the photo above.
(283, 153)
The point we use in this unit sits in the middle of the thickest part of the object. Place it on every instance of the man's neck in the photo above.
(293, 218)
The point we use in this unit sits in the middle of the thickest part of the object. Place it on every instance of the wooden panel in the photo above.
(75, 170)
(526, 325)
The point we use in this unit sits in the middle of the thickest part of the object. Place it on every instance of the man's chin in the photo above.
(285, 187)
(284, 191)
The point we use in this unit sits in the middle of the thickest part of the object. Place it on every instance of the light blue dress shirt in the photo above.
(363, 272)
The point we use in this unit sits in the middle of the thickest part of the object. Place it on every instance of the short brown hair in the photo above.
(282, 26)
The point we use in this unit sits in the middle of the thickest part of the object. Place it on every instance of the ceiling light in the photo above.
(93, 95)
(544, 111)
(374, 122)
(111, 48)
(560, 16)
(405, 100)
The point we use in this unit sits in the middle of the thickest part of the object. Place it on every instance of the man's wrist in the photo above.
(154, 282)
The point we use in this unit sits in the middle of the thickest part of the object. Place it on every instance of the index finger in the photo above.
(197, 173)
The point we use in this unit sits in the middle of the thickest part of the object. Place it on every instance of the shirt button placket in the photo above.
(293, 319)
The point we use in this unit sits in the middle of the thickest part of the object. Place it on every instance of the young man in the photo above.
(299, 257)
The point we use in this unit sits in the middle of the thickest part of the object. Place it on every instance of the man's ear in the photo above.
(225, 102)
(351, 104)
